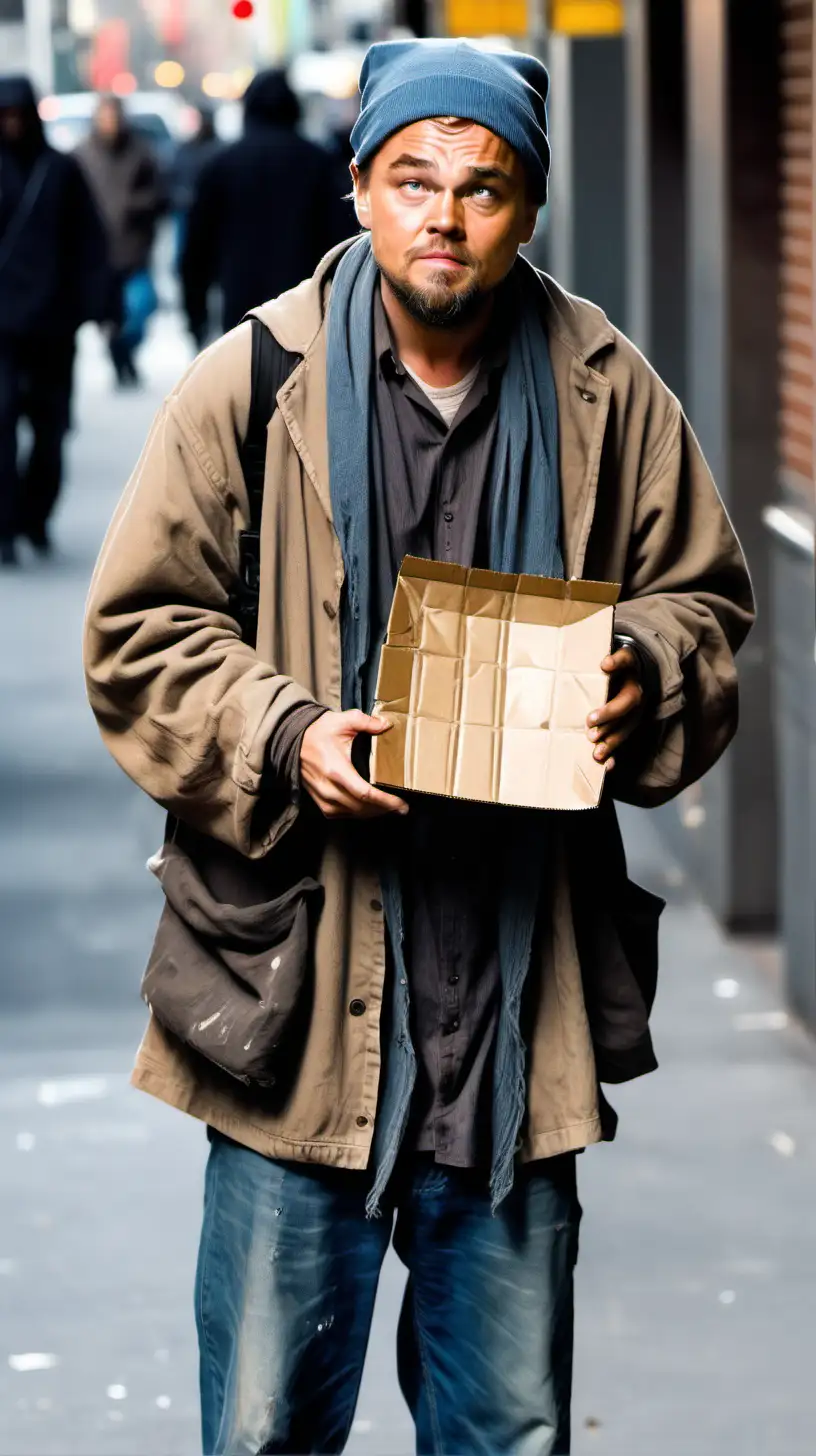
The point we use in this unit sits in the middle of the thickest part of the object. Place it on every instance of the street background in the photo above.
(682, 200)
(697, 1277)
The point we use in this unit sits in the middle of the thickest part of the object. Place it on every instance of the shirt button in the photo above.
(362, 1122)
(452, 980)
(449, 516)
(376, 905)
(330, 609)
(357, 1007)
(588, 397)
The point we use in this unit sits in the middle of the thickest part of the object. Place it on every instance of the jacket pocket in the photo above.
(233, 982)
(619, 960)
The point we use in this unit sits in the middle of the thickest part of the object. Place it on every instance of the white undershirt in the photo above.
(448, 398)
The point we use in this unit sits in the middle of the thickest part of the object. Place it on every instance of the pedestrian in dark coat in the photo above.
(190, 160)
(54, 275)
(265, 210)
(124, 178)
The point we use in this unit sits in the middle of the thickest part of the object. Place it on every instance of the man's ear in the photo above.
(361, 206)
(529, 225)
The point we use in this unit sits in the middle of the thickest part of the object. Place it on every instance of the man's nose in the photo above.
(448, 215)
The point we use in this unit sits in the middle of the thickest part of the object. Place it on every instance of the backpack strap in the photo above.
(271, 367)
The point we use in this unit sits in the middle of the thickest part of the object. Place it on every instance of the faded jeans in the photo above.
(287, 1274)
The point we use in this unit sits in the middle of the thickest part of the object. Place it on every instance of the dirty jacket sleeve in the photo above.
(687, 600)
(185, 707)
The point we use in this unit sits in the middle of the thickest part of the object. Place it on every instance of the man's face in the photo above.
(12, 124)
(107, 121)
(447, 206)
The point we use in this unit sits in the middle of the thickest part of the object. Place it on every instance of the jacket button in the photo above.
(588, 397)
(362, 1122)
(330, 609)
(357, 1007)
(376, 904)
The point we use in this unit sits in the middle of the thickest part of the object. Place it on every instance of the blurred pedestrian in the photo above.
(389, 1005)
(124, 177)
(264, 213)
(190, 160)
(54, 275)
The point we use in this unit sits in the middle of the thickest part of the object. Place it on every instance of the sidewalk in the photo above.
(697, 1280)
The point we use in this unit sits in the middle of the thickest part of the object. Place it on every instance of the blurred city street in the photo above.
(697, 1279)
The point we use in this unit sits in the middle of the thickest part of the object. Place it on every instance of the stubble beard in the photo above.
(437, 306)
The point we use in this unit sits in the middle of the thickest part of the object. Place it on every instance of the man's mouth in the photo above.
(448, 260)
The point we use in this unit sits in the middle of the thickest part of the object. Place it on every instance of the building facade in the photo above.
(719, 288)
(790, 517)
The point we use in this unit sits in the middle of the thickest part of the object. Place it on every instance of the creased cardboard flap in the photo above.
(487, 679)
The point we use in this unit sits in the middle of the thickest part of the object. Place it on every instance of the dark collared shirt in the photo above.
(430, 499)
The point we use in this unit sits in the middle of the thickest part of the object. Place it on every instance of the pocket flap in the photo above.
(242, 926)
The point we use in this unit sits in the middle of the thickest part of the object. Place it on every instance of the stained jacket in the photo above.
(189, 710)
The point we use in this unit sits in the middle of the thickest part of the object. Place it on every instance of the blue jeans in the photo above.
(287, 1274)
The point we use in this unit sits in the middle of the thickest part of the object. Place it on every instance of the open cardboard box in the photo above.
(487, 680)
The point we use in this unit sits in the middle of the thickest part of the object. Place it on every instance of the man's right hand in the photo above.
(330, 777)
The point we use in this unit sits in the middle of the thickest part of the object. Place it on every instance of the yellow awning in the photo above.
(486, 17)
(586, 17)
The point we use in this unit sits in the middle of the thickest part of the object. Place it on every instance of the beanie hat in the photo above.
(403, 81)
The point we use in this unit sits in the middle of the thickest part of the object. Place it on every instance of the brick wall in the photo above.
(797, 334)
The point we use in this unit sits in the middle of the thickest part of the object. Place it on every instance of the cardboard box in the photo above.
(487, 680)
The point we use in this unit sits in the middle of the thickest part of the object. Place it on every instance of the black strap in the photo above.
(25, 206)
(271, 367)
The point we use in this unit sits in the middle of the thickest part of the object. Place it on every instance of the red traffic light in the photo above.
(243, 9)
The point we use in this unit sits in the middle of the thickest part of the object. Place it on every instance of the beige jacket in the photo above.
(187, 709)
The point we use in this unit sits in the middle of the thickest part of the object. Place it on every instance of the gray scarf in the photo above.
(524, 528)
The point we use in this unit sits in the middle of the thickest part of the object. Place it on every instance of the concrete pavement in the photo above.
(697, 1280)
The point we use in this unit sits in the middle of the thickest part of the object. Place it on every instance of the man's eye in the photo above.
(483, 192)
(412, 185)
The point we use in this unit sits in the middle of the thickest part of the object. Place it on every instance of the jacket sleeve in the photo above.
(186, 708)
(687, 600)
(86, 251)
(147, 198)
(198, 260)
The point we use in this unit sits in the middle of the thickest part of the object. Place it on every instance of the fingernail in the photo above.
(403, 808)
(593, 733)
(593, 717)
(599, 754)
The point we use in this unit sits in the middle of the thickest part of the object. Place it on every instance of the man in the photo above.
(53, 276)
(124, 177)
(459, 998)
(239, 237)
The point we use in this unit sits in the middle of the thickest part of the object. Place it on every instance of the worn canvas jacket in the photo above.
(188, 710)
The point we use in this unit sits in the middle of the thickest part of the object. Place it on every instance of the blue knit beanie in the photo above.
(410, 80)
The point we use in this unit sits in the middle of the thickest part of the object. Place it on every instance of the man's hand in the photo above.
(329, 775)
(611, 725)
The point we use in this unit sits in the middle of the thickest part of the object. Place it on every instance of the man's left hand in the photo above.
(611, 725)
